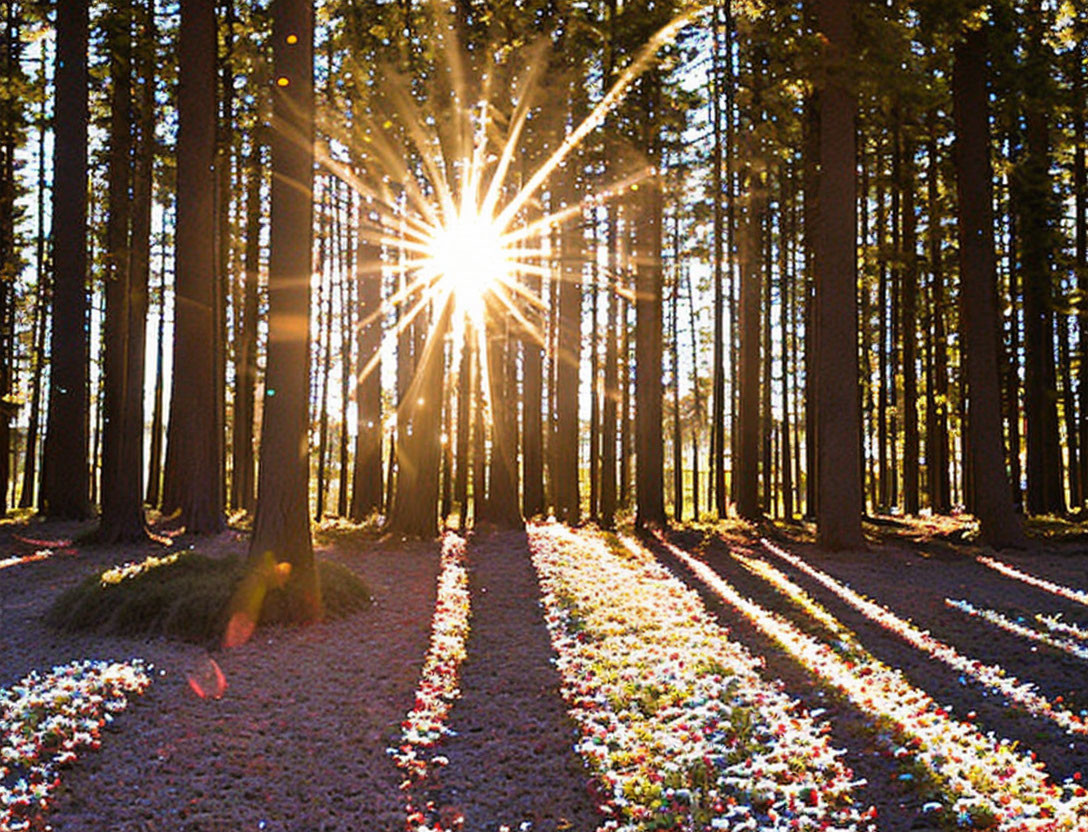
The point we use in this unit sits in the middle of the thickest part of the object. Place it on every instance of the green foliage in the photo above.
(186, 596)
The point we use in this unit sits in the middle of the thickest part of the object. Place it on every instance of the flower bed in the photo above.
(425, 724)
(675, 722)
(991, 676)
(985, 783)
(47, 720)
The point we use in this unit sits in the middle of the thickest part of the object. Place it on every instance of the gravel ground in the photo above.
(298, 740)
(512, 759)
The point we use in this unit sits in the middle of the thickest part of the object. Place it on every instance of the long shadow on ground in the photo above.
(921, 600)
(898, 804)
(512, 759)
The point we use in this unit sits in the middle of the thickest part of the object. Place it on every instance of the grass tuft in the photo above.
(187, 596)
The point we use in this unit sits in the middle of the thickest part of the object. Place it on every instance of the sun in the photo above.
(468, 258)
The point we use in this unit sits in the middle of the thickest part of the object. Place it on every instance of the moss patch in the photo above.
(186, 596)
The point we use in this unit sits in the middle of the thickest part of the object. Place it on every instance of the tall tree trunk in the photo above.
(345, 268)
(154, 461)
(1044, 462)
(697, 401)
(65, 465)
(568, 355)
(937, 386)
(717, 396)
(1000, 524)
(325, 259)
(909, 324)
(281, 528)
(223, 233)
(502, 487)
(366, 487)
(533, 392)
(839, 504)
(594, 372)
(41, 317)
(783, 340)
(126, 295)
(649, 334)
(462, 454)
(1080, 198)
(766, 414)
(607, 514)
(194, 459)
(811, 184)
(746, 469)
(674, 351)
(245, 350)
(10, 126)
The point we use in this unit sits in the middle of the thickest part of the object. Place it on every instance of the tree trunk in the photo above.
(1080, 198)
(569, 342)
(41, 316)
(502, 490)
(1000, 524)
(65, 467)
(126, 295)
(154, 462)
(717, 428)
(783, 340)
(607, 516)
(11, 116)
(649, 334)
(245, 350)
(281, 528)
(1044, 462)
(937, 387)
(909, 328)
(811, 184)
(746, 470)
(366, 488)
(839, 504)
(326, 259)
(194, 459)
(345, 267)
(533, 358)
(674, 351)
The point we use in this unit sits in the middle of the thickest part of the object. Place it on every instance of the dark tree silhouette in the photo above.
(65, 467)
(978, 298)
(839, 502)
(193, 481)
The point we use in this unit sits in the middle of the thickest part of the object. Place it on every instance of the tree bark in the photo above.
(194, 478)
(65, 466)
(839, 503)
(366, 490)
(909, 328)
(937, 411)
(281, 528)
(1000, 525)
(649, 334)
(1044, 460)
(245, 350)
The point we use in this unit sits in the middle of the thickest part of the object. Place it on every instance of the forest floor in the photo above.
(299, 739)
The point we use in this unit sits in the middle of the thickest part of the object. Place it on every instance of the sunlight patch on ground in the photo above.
(991, 676)
(985, 782)
(1003, 622)
(48, 720)
(676, 723)
(426, 724)
(1078, 596)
